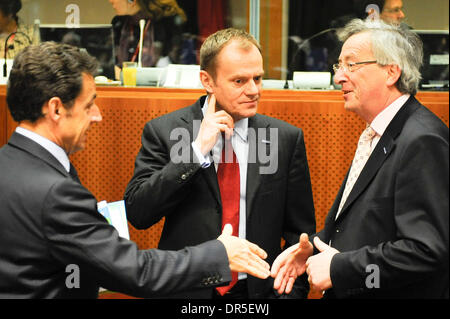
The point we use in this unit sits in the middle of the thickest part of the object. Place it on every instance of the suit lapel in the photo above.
(381, 152)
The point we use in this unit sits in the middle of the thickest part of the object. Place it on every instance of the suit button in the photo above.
(337, 231)
(183, 177)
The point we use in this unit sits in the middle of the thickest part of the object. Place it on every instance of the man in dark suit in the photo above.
(386, 235)
(54, 242)
(175, 174)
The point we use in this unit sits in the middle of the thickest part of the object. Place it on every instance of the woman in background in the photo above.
(162, 32)
(20, 35)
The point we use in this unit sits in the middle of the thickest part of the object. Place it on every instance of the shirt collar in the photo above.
(240, 127)
(50, 146)
(382, 120)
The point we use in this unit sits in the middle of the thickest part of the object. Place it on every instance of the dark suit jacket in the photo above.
(277, 205)
(395, 220)
(48, 222)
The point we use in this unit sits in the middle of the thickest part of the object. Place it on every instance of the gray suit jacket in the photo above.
(393, 230)
(49, 223)
(278, 195)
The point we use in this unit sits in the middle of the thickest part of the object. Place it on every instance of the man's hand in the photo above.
(243, 255)
(212, 125)
(318, 266)
(290, 264)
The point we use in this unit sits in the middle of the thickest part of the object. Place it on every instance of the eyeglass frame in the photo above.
(393, 10)
(349, 66)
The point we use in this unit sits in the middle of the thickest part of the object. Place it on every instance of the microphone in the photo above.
(11, 47)
(141, 41)
(300, 46)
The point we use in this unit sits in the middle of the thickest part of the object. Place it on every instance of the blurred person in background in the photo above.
(164, 20)
(12, 29)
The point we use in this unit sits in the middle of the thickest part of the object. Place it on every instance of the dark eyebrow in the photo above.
(92, 100)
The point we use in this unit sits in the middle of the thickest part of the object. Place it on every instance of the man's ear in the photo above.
(393, 74)
(207, 81)
(54, 108)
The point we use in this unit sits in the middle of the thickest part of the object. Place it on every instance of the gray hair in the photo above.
(392, 44)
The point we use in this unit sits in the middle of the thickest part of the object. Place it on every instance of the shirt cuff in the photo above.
(205, 162)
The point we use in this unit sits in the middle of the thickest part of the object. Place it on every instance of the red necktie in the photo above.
(229, 185)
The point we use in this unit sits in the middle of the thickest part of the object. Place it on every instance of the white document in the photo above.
(115, 214)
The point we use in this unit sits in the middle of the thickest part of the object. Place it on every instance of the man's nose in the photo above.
(339, 77)
(252, 88)
(96, 116)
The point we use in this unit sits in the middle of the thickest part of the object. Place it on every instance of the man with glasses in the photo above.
(392, 11)
(387, 233)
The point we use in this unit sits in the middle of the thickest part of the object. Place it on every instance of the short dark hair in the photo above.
(214, 44)
(10, 7)
(43, 71)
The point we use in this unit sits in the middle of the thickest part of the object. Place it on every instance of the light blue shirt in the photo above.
(50, 146)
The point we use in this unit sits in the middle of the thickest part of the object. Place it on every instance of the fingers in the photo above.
(284, 282)
(304, 241)
(282, 287)
(256, 250)
(257, 268)
(244, 256)
(282, 259)
(289, 285)
(212, 125)
(211, 104)
(251, 262)
(221, 117)
(279, 279)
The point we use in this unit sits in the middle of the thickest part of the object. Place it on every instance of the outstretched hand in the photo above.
(243, 255)
(290, 264)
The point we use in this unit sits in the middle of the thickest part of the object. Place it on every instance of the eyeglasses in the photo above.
(349, 66)
(393, 10)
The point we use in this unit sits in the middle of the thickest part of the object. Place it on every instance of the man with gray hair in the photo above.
(387, 233)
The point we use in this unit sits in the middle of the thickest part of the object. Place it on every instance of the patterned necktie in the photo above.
(229, 185)
(361, 156)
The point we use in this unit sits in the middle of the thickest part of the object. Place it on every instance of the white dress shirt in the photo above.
(382, 120)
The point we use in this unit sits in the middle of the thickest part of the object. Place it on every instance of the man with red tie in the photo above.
(256, 177)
